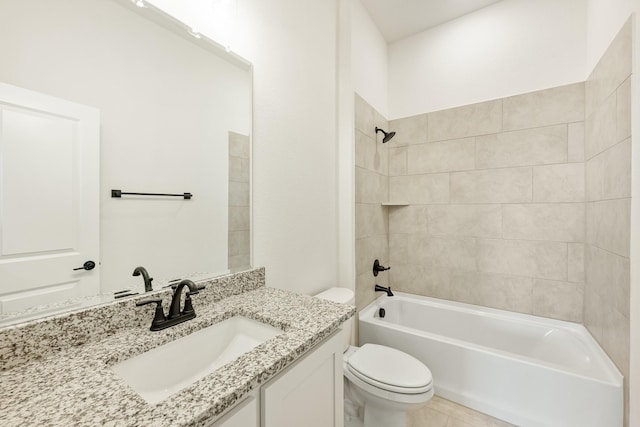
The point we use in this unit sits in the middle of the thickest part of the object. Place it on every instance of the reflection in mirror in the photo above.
(97, 96)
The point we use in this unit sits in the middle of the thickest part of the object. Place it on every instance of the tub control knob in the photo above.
(378, 268)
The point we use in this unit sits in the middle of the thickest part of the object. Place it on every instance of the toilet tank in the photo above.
(342, 296)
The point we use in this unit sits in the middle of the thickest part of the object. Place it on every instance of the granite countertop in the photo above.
(75, 386)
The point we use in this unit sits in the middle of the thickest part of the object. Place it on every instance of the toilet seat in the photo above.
(389, 374)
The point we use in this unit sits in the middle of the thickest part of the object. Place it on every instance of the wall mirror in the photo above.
(103, 95)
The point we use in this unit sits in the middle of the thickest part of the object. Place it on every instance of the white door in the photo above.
(49, 199)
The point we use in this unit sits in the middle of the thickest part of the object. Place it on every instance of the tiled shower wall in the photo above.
(496, 203)
(372, 184)
(517, 203)
(608, 195)
(239, 210)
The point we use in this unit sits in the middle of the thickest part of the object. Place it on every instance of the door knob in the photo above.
(89, 265)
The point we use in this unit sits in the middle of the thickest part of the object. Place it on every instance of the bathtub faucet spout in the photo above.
(379, 288)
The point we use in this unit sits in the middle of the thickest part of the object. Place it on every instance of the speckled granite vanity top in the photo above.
(62, 380)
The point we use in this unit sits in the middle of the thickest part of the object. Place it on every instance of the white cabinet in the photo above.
(309, 393)
(245, 414)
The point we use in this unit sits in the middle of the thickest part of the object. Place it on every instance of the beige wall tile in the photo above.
(444, 156)
(576, 142)
(522, 148)
(238, 169)
(492, 290)
(398, 250)
(512, 185)
(239, 145)
(365, 148)
(608, 174)
(544, 260)
(576, 263)
(608, 225)
(369, 249)
(364, 117)
(403, 189)
(615, 340)
(623, 99)
(365, 293)
(462, 122)
(371, 220)
(371, 187)
(607, 275)
(380, 159)
(593, 314)
(559, 183)
(397, 161)
(564, 104)
(559, 222)
(465, 220)
(613, 68)
(238, 193)
(442, 252)
(239, 243)
(608, 278)
(239, 218)
(420, 189)
(559, 300)
(239, 261)
(381, 122)
(422, 280)
(601, 128)
(409, 130)
(408, 219)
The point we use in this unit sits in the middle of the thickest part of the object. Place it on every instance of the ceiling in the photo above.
(397, 19)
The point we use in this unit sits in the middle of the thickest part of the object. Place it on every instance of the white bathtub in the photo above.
(527, 370)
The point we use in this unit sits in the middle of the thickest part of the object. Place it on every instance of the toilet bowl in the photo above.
(381, 383)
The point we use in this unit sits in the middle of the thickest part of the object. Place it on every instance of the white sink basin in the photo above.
(163, 371)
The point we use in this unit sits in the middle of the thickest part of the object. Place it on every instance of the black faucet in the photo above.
(174, 309)
(379, 288)
(147, 280)
(175, 315)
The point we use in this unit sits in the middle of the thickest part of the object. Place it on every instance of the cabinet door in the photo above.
(310, 392)
(245, 414)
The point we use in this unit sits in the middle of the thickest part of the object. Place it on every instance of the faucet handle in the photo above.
(158, 317)
(174, 286)
(378, 268)
(188, 305)
(149, 301)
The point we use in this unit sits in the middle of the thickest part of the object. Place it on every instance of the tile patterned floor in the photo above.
(440, 412)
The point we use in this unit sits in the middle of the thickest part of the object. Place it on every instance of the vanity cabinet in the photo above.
(244, 414)
(308, 393)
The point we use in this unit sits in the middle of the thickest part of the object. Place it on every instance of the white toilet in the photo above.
(381, 383)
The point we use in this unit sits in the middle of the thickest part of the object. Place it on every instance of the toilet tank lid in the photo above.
(340, 295)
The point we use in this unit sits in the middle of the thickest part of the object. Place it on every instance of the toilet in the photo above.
(381, 383)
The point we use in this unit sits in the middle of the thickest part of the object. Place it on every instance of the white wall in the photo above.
(292, 45)
(511, 47)
(369, 59)
(605, 18)
(346, 252)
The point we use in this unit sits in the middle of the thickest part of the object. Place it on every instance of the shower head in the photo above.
(387, 135)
